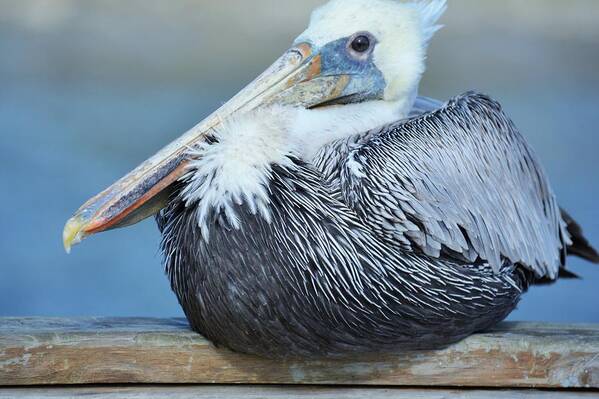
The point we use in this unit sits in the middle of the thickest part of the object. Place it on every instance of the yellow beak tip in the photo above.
(73, 233)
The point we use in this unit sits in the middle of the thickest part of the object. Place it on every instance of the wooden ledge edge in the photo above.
(41, 351)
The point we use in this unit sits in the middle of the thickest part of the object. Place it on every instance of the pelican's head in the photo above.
(357, 66)
(379, 46)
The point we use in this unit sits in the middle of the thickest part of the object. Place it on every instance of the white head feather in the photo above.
(403, 31)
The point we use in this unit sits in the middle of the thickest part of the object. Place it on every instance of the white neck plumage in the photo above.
(236, 169)
(313, 129)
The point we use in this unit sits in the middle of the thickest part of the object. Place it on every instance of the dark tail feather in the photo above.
(580, 246)
(567, 274)
(563, 274)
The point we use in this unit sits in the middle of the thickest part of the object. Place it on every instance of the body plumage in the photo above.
(367, 248)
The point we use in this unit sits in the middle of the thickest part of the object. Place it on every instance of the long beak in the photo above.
(294, 79)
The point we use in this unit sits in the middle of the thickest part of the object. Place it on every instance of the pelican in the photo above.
(326, 209)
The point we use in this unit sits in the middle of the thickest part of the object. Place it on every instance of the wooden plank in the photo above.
(112, 351)
(279, 392)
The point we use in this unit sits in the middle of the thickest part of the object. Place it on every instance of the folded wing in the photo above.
(458, 183)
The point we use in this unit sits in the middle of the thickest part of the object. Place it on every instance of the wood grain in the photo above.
(40, 351)
(279, 392)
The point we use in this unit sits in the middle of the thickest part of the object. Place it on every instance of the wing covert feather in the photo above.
(459, 182)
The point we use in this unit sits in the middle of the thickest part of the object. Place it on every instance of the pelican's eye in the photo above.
(360, 44)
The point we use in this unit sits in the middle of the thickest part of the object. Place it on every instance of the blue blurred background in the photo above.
(88, 89)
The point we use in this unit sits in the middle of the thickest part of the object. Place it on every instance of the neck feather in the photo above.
(313, 129)
(236, 167)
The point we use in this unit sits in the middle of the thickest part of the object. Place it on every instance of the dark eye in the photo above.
(361, 44)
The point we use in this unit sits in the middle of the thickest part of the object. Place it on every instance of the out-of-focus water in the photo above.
(90, 89)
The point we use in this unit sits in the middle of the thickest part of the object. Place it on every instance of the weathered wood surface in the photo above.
(279, 392)
(157, 351)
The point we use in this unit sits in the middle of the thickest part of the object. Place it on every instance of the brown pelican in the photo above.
(326, 209)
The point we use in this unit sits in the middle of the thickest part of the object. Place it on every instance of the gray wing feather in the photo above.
(423, 105)
(459, 182)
